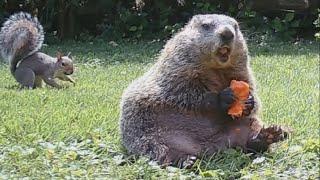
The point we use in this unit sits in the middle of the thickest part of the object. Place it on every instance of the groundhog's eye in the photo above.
(205, 26)
(63, 64)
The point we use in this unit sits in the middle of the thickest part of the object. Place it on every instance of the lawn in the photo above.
(74, 133)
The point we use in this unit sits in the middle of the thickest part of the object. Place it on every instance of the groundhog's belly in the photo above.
(206, 132)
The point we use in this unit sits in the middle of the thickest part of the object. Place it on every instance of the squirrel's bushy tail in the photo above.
(20, 36)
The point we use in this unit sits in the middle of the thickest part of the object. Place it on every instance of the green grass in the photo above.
(73, 133)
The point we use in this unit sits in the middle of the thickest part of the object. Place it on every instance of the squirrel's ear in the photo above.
(69, 55)
(59, 56)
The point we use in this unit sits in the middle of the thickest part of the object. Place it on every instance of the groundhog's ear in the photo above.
(59, 56)
(196, 19)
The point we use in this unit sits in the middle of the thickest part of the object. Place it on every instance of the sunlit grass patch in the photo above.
(73, 132)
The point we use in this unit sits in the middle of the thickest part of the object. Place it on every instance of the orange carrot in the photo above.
(241, 92)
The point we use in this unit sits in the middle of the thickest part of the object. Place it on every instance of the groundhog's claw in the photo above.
(249, 105)
(180, 161)
(187, 163)
(226, 98)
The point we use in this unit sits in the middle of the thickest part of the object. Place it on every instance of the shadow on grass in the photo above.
(227, 164)
(13, 87)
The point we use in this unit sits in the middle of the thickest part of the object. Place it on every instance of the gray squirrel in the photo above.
(21, 37)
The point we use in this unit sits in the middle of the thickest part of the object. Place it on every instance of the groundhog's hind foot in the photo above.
(275, 133)
(267, 136)
(184, 162)
(187, 163)
(177, 158)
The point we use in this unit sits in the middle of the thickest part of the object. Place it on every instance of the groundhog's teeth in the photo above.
(223, 50)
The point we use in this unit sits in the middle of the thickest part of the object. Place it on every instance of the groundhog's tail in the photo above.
(20, 36)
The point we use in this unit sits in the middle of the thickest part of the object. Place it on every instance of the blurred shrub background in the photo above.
(115, 19)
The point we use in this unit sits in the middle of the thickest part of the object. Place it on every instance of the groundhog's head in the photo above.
(216, 36)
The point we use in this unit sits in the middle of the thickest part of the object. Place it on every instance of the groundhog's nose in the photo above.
(226, 35)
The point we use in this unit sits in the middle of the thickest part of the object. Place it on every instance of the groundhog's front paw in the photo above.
(249, 105)
(210, 102)
(226, 99)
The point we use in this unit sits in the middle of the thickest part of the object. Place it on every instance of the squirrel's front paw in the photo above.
(226, 99)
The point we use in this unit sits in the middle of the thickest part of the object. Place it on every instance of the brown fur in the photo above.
(174, 112)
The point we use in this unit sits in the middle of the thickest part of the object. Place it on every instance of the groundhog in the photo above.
(177, 111)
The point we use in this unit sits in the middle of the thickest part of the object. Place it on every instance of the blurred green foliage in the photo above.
(112, 19)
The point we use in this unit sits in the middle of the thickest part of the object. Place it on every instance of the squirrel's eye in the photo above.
(63, 64)
(236, 26)
(205, 26)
